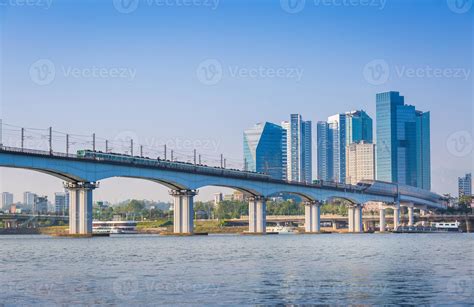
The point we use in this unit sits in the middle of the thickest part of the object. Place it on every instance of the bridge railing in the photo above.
(37, 152)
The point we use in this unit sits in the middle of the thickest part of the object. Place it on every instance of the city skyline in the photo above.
(335, 75)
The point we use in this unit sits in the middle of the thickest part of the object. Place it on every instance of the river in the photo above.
(235, 269)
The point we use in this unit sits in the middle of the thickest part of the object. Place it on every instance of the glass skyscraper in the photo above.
(465, 185)
(299, 150)
(403, 142)
(265, 150)
(334, 136)
(324, 153)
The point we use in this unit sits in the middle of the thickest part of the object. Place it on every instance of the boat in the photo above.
(281, 229)
(439, 227)
(114, 227)
(447, 226)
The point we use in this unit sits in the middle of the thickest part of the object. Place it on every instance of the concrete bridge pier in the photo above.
(350, 216)
(382, 219)
(396, 217)
(411, 220)
(312, 217)
(358, 226)
(80, 207)
(183, 214)
(257, 215)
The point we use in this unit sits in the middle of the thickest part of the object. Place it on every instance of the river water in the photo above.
(235, 269)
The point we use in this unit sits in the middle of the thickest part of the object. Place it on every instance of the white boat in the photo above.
(447, 226)
(282, 229)
(114, 227)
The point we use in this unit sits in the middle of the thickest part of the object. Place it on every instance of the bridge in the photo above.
(83, 171)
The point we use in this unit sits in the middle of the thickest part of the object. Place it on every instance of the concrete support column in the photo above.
(350, 213)
(308, 217)
(80, 207)
(261, 215)
(382, 220)
(252, 215)
(316, 217)
(411, 220)
(312, 213)
(396, 217)
(358, 227)
(183, 211)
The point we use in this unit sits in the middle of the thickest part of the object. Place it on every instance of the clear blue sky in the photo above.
(165, 48)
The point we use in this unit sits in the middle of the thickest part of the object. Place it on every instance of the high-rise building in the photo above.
(403, 142)
(40, 205)
(423, 153)
(465, 185)
(298, 149)
(60, 203)
(334, 136)
(264, 150)
(7, 200)
(324, 152)
(29, 199)
(218, 198)
(359, 127)
(360, 162)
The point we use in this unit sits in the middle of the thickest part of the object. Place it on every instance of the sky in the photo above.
(196, 73)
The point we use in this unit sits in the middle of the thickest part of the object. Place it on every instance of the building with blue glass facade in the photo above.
(299, 149)
(265, 150)
(334, 136)
(403, 142)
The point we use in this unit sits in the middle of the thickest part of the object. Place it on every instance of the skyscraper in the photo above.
(324, 152)
(40, 205)
(264, 149)
(465, 185)
(403, 142)
(299, 149)
(60, 203)
(7, 200)
(360, 162)
(423, 153)
(29, 199)
(334, 136)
